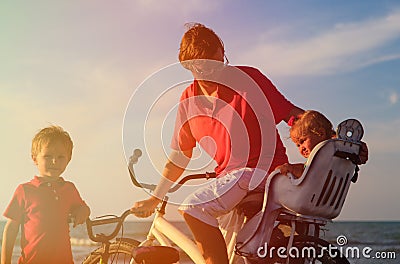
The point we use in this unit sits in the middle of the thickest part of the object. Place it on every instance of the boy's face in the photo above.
(305, 144)
(52, 159)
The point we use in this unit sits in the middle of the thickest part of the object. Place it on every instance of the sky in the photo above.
(87, 65)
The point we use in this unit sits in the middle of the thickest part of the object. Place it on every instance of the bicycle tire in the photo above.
(300, 242)
(120, 252)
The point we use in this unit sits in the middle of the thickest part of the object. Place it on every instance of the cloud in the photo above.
(393, 98)
(344, 47)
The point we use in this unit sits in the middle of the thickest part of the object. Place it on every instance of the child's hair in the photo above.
(311, 122)
(199, 42)
(49, 135)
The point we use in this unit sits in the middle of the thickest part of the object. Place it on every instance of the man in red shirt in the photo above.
(42, 207)
(231, 112)
(237, 122)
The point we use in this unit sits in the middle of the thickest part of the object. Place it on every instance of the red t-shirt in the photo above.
(239, 128)
(42, 209)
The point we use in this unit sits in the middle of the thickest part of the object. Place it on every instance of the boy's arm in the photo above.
(80, 214)
(9, 235)
(79, 210)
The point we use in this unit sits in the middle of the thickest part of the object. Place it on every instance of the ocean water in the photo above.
(370, 239)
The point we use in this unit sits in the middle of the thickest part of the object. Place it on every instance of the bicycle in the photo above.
(163, 237)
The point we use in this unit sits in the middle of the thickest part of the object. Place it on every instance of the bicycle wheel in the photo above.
(120, 252)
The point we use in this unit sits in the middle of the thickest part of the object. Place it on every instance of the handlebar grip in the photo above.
(137, 153)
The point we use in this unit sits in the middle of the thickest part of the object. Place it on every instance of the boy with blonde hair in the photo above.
(43, 205)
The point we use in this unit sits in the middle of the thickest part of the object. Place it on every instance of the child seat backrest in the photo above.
(329, 170)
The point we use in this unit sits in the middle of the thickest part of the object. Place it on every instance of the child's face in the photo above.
(305, 144)
(52, 159)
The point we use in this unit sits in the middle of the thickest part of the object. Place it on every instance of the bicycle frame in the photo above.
(165, 233)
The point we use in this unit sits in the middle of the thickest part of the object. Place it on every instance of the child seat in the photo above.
(317, 196)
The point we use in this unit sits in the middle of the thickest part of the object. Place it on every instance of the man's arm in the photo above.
(173, 169)
(295, 111)
(9, 235)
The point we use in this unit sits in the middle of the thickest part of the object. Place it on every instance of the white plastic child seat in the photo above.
(322, 188)
(318, 194)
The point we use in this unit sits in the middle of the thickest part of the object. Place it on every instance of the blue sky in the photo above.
(77, 64)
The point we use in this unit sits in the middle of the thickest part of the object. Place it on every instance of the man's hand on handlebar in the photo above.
(145, 208)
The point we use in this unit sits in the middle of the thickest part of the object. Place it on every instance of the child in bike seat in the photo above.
(43, 206)
(308, 130)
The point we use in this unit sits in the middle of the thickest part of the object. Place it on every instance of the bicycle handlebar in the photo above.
(110, 219)
(134, 159)
(104, 221)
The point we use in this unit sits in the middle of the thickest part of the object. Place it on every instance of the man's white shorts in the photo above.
(222, 195)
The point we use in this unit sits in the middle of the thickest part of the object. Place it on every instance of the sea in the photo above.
(362, 242)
